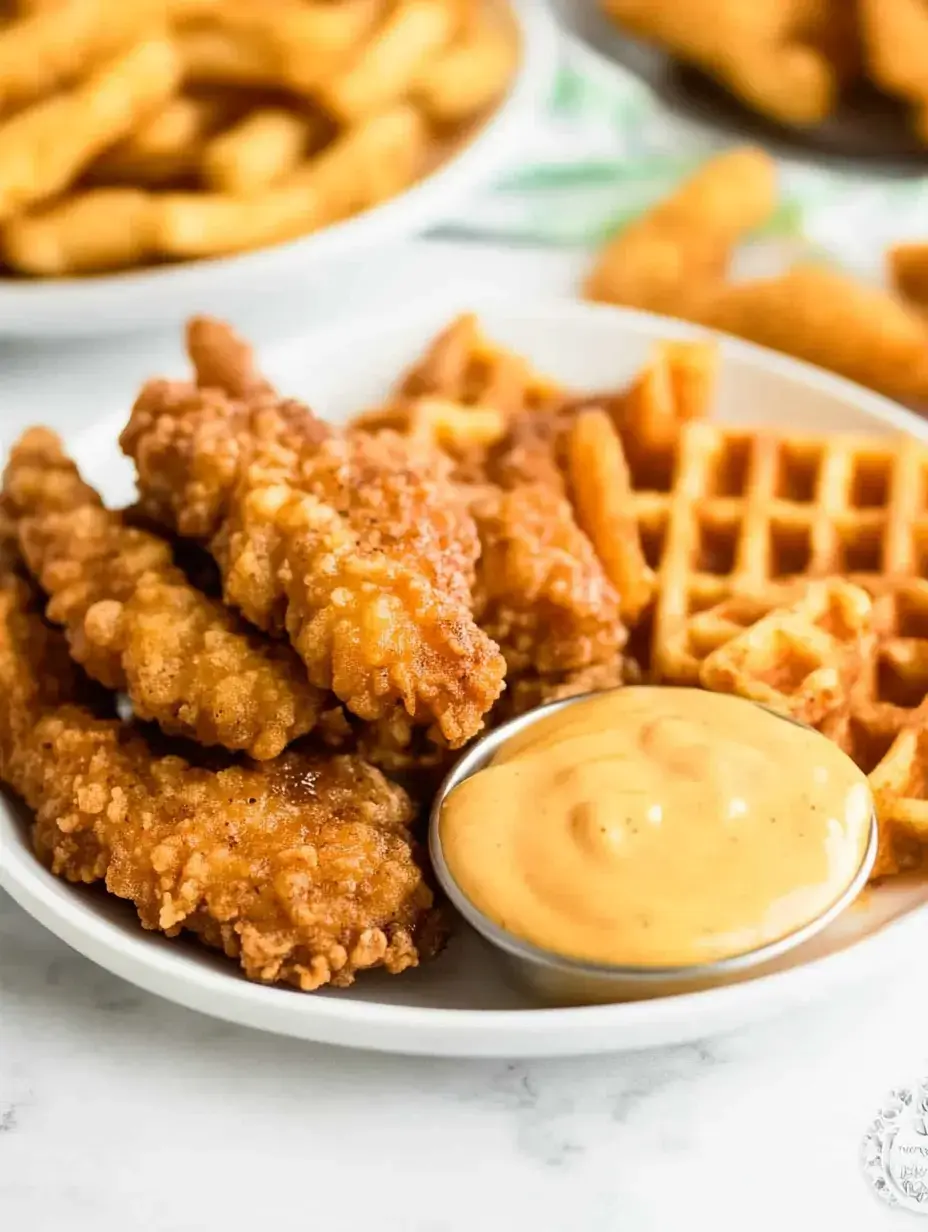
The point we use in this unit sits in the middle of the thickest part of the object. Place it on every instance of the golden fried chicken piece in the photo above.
(301, 868)
(135, 623)
(223, 360)
(359, 548)
(525, 692)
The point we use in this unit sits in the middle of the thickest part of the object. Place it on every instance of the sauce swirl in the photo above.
(657, 827)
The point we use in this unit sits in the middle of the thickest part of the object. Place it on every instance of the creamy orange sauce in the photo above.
(658, 826)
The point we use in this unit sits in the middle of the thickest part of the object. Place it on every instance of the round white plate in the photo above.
(134, 300)
(460, 1004)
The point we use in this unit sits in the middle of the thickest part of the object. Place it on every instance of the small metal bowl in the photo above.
(557, 979)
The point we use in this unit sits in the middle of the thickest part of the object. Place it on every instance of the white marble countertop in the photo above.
(121, 1111)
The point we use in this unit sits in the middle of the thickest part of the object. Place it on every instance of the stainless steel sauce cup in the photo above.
(557, 979)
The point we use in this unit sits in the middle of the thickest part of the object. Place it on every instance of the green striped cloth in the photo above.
(603, 150)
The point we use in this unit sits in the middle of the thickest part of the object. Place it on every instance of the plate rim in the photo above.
(437, 1030)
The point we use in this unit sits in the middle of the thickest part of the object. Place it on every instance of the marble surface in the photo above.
(118, 1110)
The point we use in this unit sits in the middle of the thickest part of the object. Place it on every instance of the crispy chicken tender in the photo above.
(301, 868)
(135, 623)
(358, 547)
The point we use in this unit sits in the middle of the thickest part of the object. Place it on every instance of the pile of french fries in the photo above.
(790, 59)
(139, 131)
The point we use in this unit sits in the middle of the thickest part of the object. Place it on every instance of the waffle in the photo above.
(857, 670)
(800, 660)
(749, 515)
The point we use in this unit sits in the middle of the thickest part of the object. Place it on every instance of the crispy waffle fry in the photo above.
(91, 232)
(908, 272)
(45, 147)
(828, 318)
(389, 63)
(463, 366)
(798, 660)
(366, 165)
(56, 44)
(665, 261)
(438, 422)
(261, 149)
(470, 74)
(602, 497)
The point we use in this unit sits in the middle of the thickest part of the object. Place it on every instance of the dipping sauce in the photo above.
(653, 827)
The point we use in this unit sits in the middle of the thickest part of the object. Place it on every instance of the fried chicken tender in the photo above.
(135, 623)
(541, 592)
(359, 548)
(301, 868)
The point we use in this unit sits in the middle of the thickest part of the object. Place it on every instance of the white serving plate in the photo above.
(115, 303)
(460, 1004)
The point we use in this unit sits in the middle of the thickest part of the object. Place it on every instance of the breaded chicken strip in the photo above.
(359, 548)
(136, 624)
(301, 868)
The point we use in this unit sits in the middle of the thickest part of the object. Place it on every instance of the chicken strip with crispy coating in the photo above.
(135, 623)
(301, 868)
(359, 548)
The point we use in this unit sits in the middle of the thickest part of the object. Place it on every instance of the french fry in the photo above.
(103, 229)
(388, 64)
(211, 55)
(470, 74)
(908, 272)
(359, 169)
(788, 82)
(829, 318)
(46, 147)
(54, 45)
(668, 257)
(164, 148)
(261, 149)
(602, 496)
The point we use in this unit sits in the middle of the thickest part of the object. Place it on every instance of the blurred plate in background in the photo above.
(161, 295)
(869, 131)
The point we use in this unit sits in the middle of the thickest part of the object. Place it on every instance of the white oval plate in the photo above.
(120, 302)
(460, 1004)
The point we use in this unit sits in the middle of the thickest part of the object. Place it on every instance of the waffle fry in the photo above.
(388, 65)
(264, 147)
(465, 367)
(602, 496)
(828, 318)
(45, 147)
(666, 260)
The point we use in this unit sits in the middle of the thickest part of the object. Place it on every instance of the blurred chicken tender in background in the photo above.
(151, 130)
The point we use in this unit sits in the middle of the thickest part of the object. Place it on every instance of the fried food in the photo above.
(829, 318)
(301, 869)
(134, 622)
(46, 147)
(670, 258)
(785, 58)
(602, 495)
(908, 272)
(357, 547)
(179, 130)
(674, 260)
